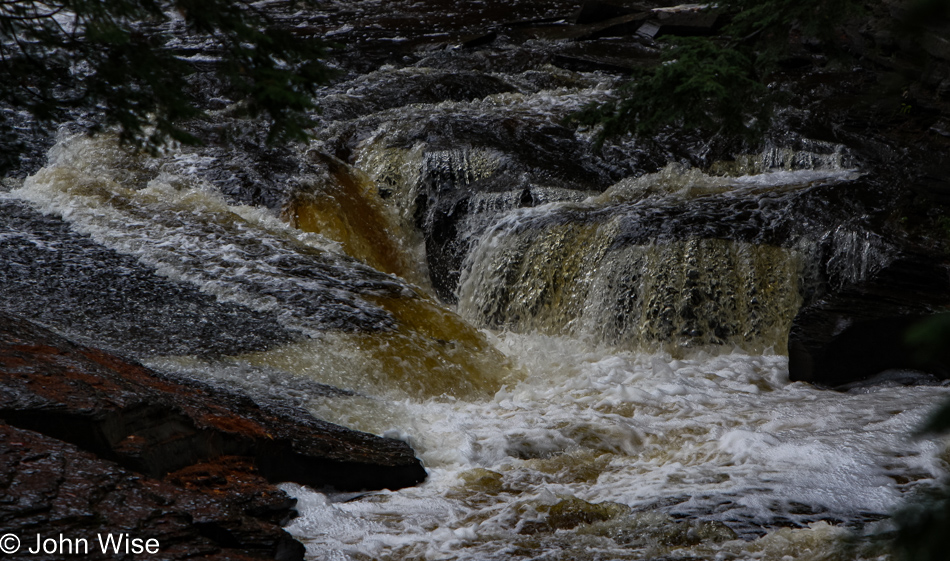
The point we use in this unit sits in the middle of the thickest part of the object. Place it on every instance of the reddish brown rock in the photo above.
(152, 424)
(236, 478)
(92, 444)
(52, 489)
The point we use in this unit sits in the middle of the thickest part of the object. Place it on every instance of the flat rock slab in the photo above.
(154, 424)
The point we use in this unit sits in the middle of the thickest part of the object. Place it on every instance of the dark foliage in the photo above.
(115, 64)
(718, 84)
(701, 85)
(775, 19)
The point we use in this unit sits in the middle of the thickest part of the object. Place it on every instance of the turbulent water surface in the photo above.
(611, 383)
(545, 441)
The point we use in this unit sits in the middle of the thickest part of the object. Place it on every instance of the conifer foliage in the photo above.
(118, 64)
(700, 85)
(718, 85)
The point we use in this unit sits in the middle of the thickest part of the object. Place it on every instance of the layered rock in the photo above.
(862, 328)
(86, 431)
(60, 278)
(155, 425)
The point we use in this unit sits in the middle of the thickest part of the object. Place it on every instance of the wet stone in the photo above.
(51, 488)
(572, 512)
(156, 424)
(396, 88)
(67, 281)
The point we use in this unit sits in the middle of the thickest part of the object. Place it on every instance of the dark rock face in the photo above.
(63, 279)
(860, 330)
(87, 437)
(50, 488)
(861, 351)
(155, 425)
(891, 111)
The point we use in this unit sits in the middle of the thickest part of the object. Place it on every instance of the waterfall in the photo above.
(609, 270)
(356, 327)
(611, 383)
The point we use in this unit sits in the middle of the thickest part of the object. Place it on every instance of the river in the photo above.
(592, 376)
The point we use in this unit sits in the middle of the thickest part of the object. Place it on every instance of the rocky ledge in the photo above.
(91, 443)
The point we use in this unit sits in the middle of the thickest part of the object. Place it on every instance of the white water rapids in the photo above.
(713, 438)
(575, 450)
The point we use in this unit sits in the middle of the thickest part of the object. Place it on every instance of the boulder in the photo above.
(863, 351)
(51, 488)
(865, 328)
(154, 424)
(93, 445)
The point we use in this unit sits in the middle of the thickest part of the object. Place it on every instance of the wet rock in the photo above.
(383, 90)
(619, 55)
(299, 285)
(890, 112)
(238, 479)
(23, 143)
(605, 19)
(239, 162)
(453, 217)
(860, 351)
(390, 33)
(571, 512)
(51, 488)
(455, 190)
(65, 280)
(862, 329)
(598, 10)
(154, 424)
(446, 244)
(932, 183)
(614, 27)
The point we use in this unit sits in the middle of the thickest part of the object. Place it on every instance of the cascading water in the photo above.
(246, 256)
(601, 444)
(607, 269)
(670, 296)
(612, 385)
(611, 447)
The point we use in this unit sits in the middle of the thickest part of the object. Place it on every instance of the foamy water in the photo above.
(188, 232)
(710, 440)
(537, 446)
